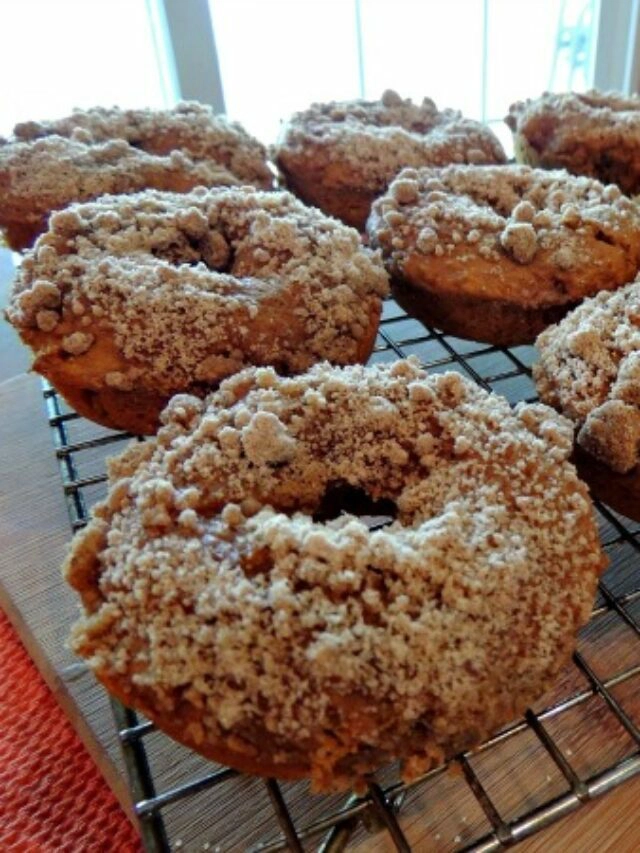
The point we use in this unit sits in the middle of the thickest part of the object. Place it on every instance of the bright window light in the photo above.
(421, 49)
(76, 53)
(477, 56)
(279, 56)
(556, 54)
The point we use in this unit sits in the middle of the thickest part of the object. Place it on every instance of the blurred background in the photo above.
(260, 60)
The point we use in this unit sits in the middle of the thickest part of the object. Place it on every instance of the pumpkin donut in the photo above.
(496, 254)
(592, 133)
(341, 156)
(48, 165)
(589, 369)
(128, 300)
(219, 603)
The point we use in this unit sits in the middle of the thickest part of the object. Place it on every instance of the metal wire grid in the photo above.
(379, 810)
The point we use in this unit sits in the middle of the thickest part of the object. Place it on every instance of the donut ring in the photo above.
(219, 603)
(341, 156)
(130, 299)
(496, 254)
(48, 165)
(593, 133)
(49, 174)
(589, 369)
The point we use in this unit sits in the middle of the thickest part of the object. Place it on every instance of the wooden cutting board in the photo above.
(440, 814)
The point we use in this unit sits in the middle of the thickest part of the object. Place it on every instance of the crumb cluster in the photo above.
(190, 127)
(48, 165)
(591, 133)
(48, 173)
(589, 369)
(372, 140)
(512, 215)
(192, 287)
(211, 590)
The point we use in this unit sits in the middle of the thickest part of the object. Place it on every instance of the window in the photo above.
(282, 56)
(277, 56)
(77, 53)
(288, 54)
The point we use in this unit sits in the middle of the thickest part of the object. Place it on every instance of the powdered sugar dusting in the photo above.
(189, 127)
(374, 139)
(592, 133)
(322, 639)
(193, 287)
(511, 215)
(51, 172)
(51, 164)
(589, 369)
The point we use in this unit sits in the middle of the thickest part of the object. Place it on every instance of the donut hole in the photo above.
(343, 498)
(211, 249)
(178, 253)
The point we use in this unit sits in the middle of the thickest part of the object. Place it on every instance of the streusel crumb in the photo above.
(495, 211)
(320, 647)
(589, 369)
(195, 286)
(589, 133)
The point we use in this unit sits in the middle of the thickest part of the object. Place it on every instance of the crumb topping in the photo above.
(589, 369)
(192, 287)
(507, 214)
(217, 587)
(592, 133)
(190, 127)
(46, 174)
(603, 108)
(375, 139)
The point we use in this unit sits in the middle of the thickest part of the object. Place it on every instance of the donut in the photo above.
(190, 127)
(48, 165)
(340, 156)
(130, 299)
(593, 133)
(589, 369)
(230, 599)
(46, 175)
(496, 254)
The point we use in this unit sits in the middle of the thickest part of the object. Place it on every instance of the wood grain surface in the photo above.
(14, 357)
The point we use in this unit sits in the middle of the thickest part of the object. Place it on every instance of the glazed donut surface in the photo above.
(130, 299)
(595, 134)
(220, 605)
(339, 156)
(498, 253)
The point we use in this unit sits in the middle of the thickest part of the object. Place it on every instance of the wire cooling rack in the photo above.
(580, 741)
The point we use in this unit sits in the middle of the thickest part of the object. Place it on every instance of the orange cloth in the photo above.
(52, 796)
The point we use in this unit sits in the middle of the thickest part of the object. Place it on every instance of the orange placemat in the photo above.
(52, 796)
